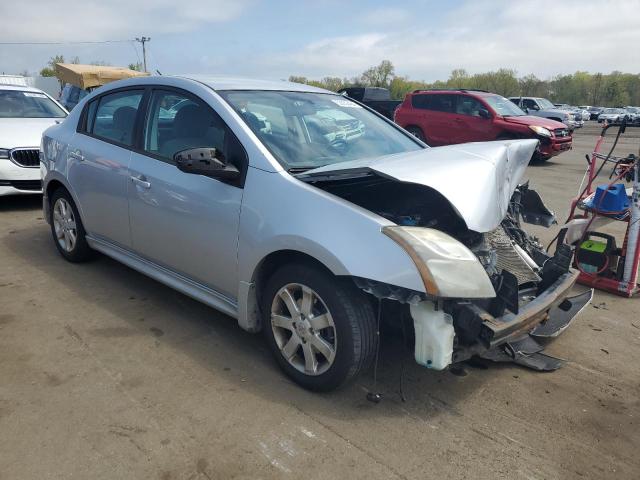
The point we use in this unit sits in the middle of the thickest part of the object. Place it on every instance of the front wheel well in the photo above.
(52, 186)
(275, 260)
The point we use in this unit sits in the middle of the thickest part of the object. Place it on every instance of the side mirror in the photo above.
(205, 161)
(484, 113)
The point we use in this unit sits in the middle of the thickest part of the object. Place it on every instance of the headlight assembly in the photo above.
(540, 131)
(447, 268)
(4, 153)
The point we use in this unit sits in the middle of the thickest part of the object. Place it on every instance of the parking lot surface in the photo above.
(105, 373)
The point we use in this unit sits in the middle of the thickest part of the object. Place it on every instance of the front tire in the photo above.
(321, 329)
(67, 229)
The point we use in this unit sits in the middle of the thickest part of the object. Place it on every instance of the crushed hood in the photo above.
(478, 179)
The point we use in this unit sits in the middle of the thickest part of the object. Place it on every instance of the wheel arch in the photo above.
(413, 125)
(250, 294)
(55, 182)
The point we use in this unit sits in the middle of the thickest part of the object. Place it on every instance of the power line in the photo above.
(64, 43)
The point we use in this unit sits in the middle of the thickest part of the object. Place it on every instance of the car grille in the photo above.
(34, 185)
(561, 132)
(26, 157)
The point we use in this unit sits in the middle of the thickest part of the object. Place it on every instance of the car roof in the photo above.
(21, 88)
(218, 82)
(454, 90)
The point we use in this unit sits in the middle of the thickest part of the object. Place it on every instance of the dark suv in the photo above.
(445, 117)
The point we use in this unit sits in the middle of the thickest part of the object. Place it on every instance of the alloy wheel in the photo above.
(303, 329)
(64, 224)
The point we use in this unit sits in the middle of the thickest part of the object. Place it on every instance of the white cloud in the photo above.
(545, 37)
(72, 20)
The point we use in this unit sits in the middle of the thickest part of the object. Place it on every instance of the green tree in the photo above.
(579, 88)
(379, 76)
(50, 69)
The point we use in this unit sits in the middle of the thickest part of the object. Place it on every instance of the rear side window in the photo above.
(443, 103)
(435, 102)
(113, 116)
(420, 101)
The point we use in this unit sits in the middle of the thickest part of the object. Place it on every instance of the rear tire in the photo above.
(67, 229)
(417, 132)
(321, 329)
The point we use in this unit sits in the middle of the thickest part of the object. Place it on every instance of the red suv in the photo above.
(445, 117)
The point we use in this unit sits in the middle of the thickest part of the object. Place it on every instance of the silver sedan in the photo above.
(257, 199)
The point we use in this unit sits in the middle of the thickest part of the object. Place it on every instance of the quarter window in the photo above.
(113, 116)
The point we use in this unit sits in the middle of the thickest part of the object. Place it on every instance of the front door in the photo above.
(471, 126)
(185, 222)
(98, 164)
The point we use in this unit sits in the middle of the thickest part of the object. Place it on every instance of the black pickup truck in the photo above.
(377, 98)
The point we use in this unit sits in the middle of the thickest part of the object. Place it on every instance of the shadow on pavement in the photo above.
(216, 342)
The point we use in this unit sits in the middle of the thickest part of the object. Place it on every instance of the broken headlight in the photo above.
(447, 268)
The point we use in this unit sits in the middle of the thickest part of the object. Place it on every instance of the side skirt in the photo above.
(163, 275)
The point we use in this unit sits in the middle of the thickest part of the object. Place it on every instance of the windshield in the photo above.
(23, 104)
(503, 107)
(308, 130)
(613, 110)
(544, 103)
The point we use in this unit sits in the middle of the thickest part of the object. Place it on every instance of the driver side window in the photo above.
(178, 122)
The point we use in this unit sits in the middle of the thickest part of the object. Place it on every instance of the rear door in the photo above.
(186, 222)
(98, 164)
(441, 119)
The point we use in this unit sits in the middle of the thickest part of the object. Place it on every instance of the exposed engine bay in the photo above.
(530, 285)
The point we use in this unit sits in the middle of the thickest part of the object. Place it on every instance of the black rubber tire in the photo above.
(538, 159)
(417, 132)
(81, 252)
(353, 316)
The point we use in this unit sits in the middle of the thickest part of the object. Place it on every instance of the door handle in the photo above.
(141, 181)
(77, 154)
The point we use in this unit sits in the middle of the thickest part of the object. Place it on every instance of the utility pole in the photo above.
(143, 40)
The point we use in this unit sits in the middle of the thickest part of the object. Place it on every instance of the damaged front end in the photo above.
(521, 296)
(491, 288)
(532, 290)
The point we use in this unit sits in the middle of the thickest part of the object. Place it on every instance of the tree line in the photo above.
(614, 89)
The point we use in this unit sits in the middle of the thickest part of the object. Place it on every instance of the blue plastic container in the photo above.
(613, 200)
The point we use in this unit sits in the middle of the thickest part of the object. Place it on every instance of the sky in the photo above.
(273, 39)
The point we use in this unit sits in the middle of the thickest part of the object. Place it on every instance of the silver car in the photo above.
(312, 241)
